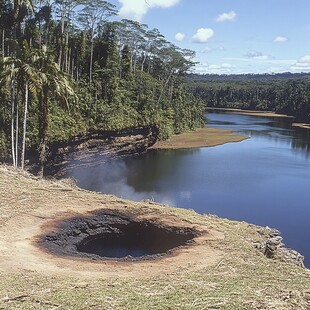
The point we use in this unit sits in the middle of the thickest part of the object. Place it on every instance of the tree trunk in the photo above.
(72, 63)
(61, 39)
(67, 53)
(16, 133)
(165, 86)
(24, 126)
(3, 47)
(143, 61)
(47, 28)
(40, 35)
(43, 124)
(131, 63)
(12, 118)
(16, 10)
(60, 53)
(91, 57)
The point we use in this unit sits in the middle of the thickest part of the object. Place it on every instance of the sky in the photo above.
(231, 36)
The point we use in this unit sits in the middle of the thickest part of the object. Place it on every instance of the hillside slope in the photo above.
(221, 269)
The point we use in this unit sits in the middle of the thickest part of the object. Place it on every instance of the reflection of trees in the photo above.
(275, 129)
(144, 173)
(299, 138)
(284, 122)
(301, 141)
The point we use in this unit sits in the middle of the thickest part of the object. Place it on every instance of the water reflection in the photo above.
(275, 129)
(146, 172)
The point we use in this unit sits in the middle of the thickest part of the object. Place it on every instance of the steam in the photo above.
(109, 178)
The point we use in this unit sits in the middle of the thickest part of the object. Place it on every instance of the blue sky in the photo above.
(232, 36)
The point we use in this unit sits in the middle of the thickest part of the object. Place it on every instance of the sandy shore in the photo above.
(202, 137)
(250, 112)
(301, 125)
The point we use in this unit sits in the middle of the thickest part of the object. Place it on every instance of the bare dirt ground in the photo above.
(220, 270)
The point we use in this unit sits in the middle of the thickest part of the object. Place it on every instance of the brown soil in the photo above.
(32, 213)
(202, 137)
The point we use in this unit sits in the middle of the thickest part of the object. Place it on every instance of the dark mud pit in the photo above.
(111, 235)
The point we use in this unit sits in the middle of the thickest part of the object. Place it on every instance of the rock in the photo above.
(292, 256)
(97, 147)
(270, 232)
(272, 247)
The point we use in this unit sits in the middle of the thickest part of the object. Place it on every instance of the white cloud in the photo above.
(270, 60)
(222, 66)
(180, 36)
(205, 68)
(280, 39)
(304, 59)
(302, 64)
(264, 64)
(136, 9)
(257, 55)
(203, 35)
(229, 16)
(209, 49)
(246, 65)
(262, 57)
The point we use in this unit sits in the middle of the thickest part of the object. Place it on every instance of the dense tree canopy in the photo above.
(285, 93)
(67, 68)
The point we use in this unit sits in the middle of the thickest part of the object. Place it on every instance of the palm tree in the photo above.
(18, 3)
(53, 82)
(18, 73)
(7, 79)
(28, 78)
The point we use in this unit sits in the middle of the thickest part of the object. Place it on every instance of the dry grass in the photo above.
(202, 137)
(241, 279)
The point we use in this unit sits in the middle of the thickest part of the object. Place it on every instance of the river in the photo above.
(264, 180)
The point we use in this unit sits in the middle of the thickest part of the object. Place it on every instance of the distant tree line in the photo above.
(67, 68)
(285, 93)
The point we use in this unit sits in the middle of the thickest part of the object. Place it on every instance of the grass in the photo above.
(242, 278)
(202, 137)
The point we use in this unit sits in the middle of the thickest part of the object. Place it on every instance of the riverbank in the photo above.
(223, 268)
(249, 112)
(98, 148)
(301, 125)
(202, 137)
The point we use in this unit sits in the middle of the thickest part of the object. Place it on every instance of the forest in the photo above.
(69, 67)
(284, 93)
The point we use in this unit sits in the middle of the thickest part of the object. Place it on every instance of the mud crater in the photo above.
(111, 235)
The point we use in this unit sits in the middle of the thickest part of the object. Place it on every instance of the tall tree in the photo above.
(94, 13)
(53, 82)
(19, 73)
(134, 38)
(65, 10)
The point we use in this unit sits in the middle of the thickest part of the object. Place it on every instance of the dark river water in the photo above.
(264, 180)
